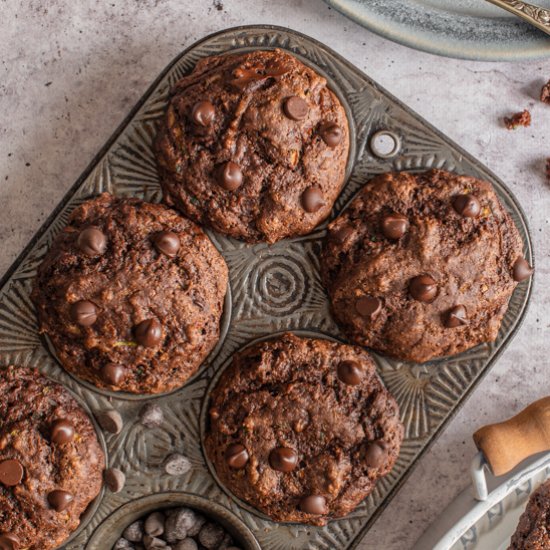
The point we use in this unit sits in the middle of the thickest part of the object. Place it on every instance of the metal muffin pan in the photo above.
(273, 289)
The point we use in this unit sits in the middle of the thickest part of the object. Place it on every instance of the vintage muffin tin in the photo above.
(273, 289)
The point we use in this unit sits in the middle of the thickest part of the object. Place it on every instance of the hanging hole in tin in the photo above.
(385, 144)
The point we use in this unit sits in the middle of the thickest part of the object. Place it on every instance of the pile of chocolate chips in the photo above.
(175, 529)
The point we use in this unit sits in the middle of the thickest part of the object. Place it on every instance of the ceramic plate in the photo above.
(468, 29)
(273, 289)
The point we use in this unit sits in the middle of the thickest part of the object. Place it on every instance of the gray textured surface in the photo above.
(99, 61)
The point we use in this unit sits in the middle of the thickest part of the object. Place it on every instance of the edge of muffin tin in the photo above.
(89, 395)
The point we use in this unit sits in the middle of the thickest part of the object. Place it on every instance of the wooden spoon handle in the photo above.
(506, 444)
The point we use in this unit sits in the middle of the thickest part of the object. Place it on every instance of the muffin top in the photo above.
(51, 464)
(131, 295)
(421, 266)
(255, 145)
(533, 532)
(302, 428)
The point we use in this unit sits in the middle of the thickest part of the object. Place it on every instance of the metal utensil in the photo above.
(537, 16)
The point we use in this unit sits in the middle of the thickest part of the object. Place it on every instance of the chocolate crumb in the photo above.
(517, 120)
(545, 93)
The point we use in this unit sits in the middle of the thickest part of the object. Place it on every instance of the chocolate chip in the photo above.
(92, 241)
(203, 113)
(177, 465)
(114, 479)
(283, 459)
(211, 536)
(62, 431)
(314, 504)
(423, 288)
(9, 542)
(151, 415)
(110, 421)
(341, 234)
(374, 455)
(394, 225)
(84, 313)
(154, 524)
(331, 134)
(522, 270)
(368, 306)
(312, 199)
(350, 372)
(295, 108)
(467, 206)
(236, 456)
(230, 176)
(60, 500)
(11, 473)
(148, 333)
(167, 243)
(113, 374)
(134, 532)
(456, 317)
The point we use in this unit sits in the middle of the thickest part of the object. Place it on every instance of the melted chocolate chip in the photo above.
(62, 431)
(283, 459)
(342, 233)
(314, 504)
(331, 134)
(9, 542)
(295, 108)
(456, 317)
(350, 373)
(167, 243)
(92, 241)
(423, 288)
(113, 374)
(467, 206)
(312, 199)
(84, 313)
(148, 333)
(60, 500)
(394, 225)
(230, 176)
(374, 455)
(522, 270)
(236, 456)
(368, 306)
(11, 473)
(203, 113)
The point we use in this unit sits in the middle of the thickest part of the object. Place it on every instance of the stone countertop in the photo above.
(71, 71)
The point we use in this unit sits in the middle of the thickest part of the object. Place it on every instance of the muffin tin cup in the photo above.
(273, 289)
(111, 529)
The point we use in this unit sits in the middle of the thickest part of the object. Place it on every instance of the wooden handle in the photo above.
(506, 444)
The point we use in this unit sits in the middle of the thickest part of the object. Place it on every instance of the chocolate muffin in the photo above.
(254, 145)
(51, 464)
(533, 530)
(131, 295)
(421, 266)
(302, 428)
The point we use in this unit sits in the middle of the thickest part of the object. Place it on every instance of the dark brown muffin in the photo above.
(302, 428)
(131, 295)
(423, 265)
(51, 464)
(533, 530)
(254, 145)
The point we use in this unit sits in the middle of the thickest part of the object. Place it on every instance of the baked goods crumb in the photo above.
(548, 169)
(518, 119)
(545, 93)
